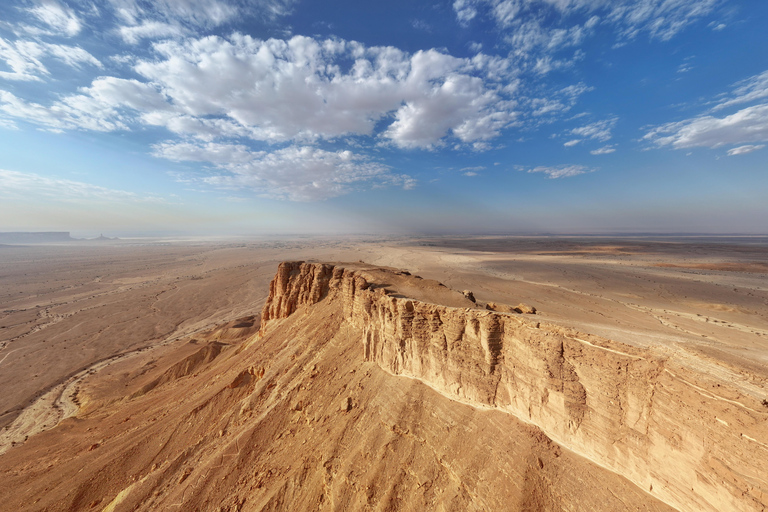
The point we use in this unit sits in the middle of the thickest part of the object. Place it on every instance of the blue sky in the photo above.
(133, 117)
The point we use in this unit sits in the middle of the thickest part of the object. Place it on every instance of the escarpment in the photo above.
(691, 432)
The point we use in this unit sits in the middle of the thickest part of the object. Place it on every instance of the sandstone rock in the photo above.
(501, 308)
(468, 294)
(525, 309)
(618, 405)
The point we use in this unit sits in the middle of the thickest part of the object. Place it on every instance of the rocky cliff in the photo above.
(690, 431)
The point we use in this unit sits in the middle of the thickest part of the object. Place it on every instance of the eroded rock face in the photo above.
(295, 284)
(680, 430)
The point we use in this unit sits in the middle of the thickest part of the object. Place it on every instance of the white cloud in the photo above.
(8, 124)
(25, 58)
(296, 173)
(199, 13)
(605, 150)
(472, 171)
(741, 128)
(214, 153)
(752, 89)
(15, 184)
(214, 91)
(162, 18)
(133, 34)
(58, 17)
(600, 130)
(465, 10)
(747, 125)
(421, 25)
(743, 150)
(573, 142)
(101, 107)
(461, 105)
(531, 37)
(561, 171)
(547, 64)
(659, 19)
(505, 11)
(298, 89)
(557, 102)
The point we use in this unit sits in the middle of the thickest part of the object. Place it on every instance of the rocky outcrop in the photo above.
(504, 308)
(295, 284)
(682, 430)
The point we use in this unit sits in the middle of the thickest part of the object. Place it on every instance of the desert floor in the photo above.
(71, 311)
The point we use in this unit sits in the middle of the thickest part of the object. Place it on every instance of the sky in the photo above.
(260, 117)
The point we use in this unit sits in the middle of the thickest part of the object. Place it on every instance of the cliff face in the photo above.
(691, 432)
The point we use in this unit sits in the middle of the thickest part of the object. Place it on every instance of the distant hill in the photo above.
(102, 238)
(23, 237)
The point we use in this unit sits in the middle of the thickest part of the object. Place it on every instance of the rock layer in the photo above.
(691, 432)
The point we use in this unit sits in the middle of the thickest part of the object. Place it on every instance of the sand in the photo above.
(84, 327)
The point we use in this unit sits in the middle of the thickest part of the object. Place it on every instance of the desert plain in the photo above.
(580, 373)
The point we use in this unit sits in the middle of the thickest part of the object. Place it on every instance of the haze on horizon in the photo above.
(470, 116)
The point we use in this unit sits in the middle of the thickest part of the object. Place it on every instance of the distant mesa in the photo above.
(40, 237)
(46, 237)
(103, 238)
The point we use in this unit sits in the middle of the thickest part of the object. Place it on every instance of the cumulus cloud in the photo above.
(747, 125)
(296, 173)
(214, 91)
(288, 89)
(743, 150)
(561, 171)
(25, 58)
(297, 89)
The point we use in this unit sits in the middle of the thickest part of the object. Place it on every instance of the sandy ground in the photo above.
(71, 311)
(707, 296)
(66, 308)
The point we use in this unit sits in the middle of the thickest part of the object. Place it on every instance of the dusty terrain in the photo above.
(146, 360)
